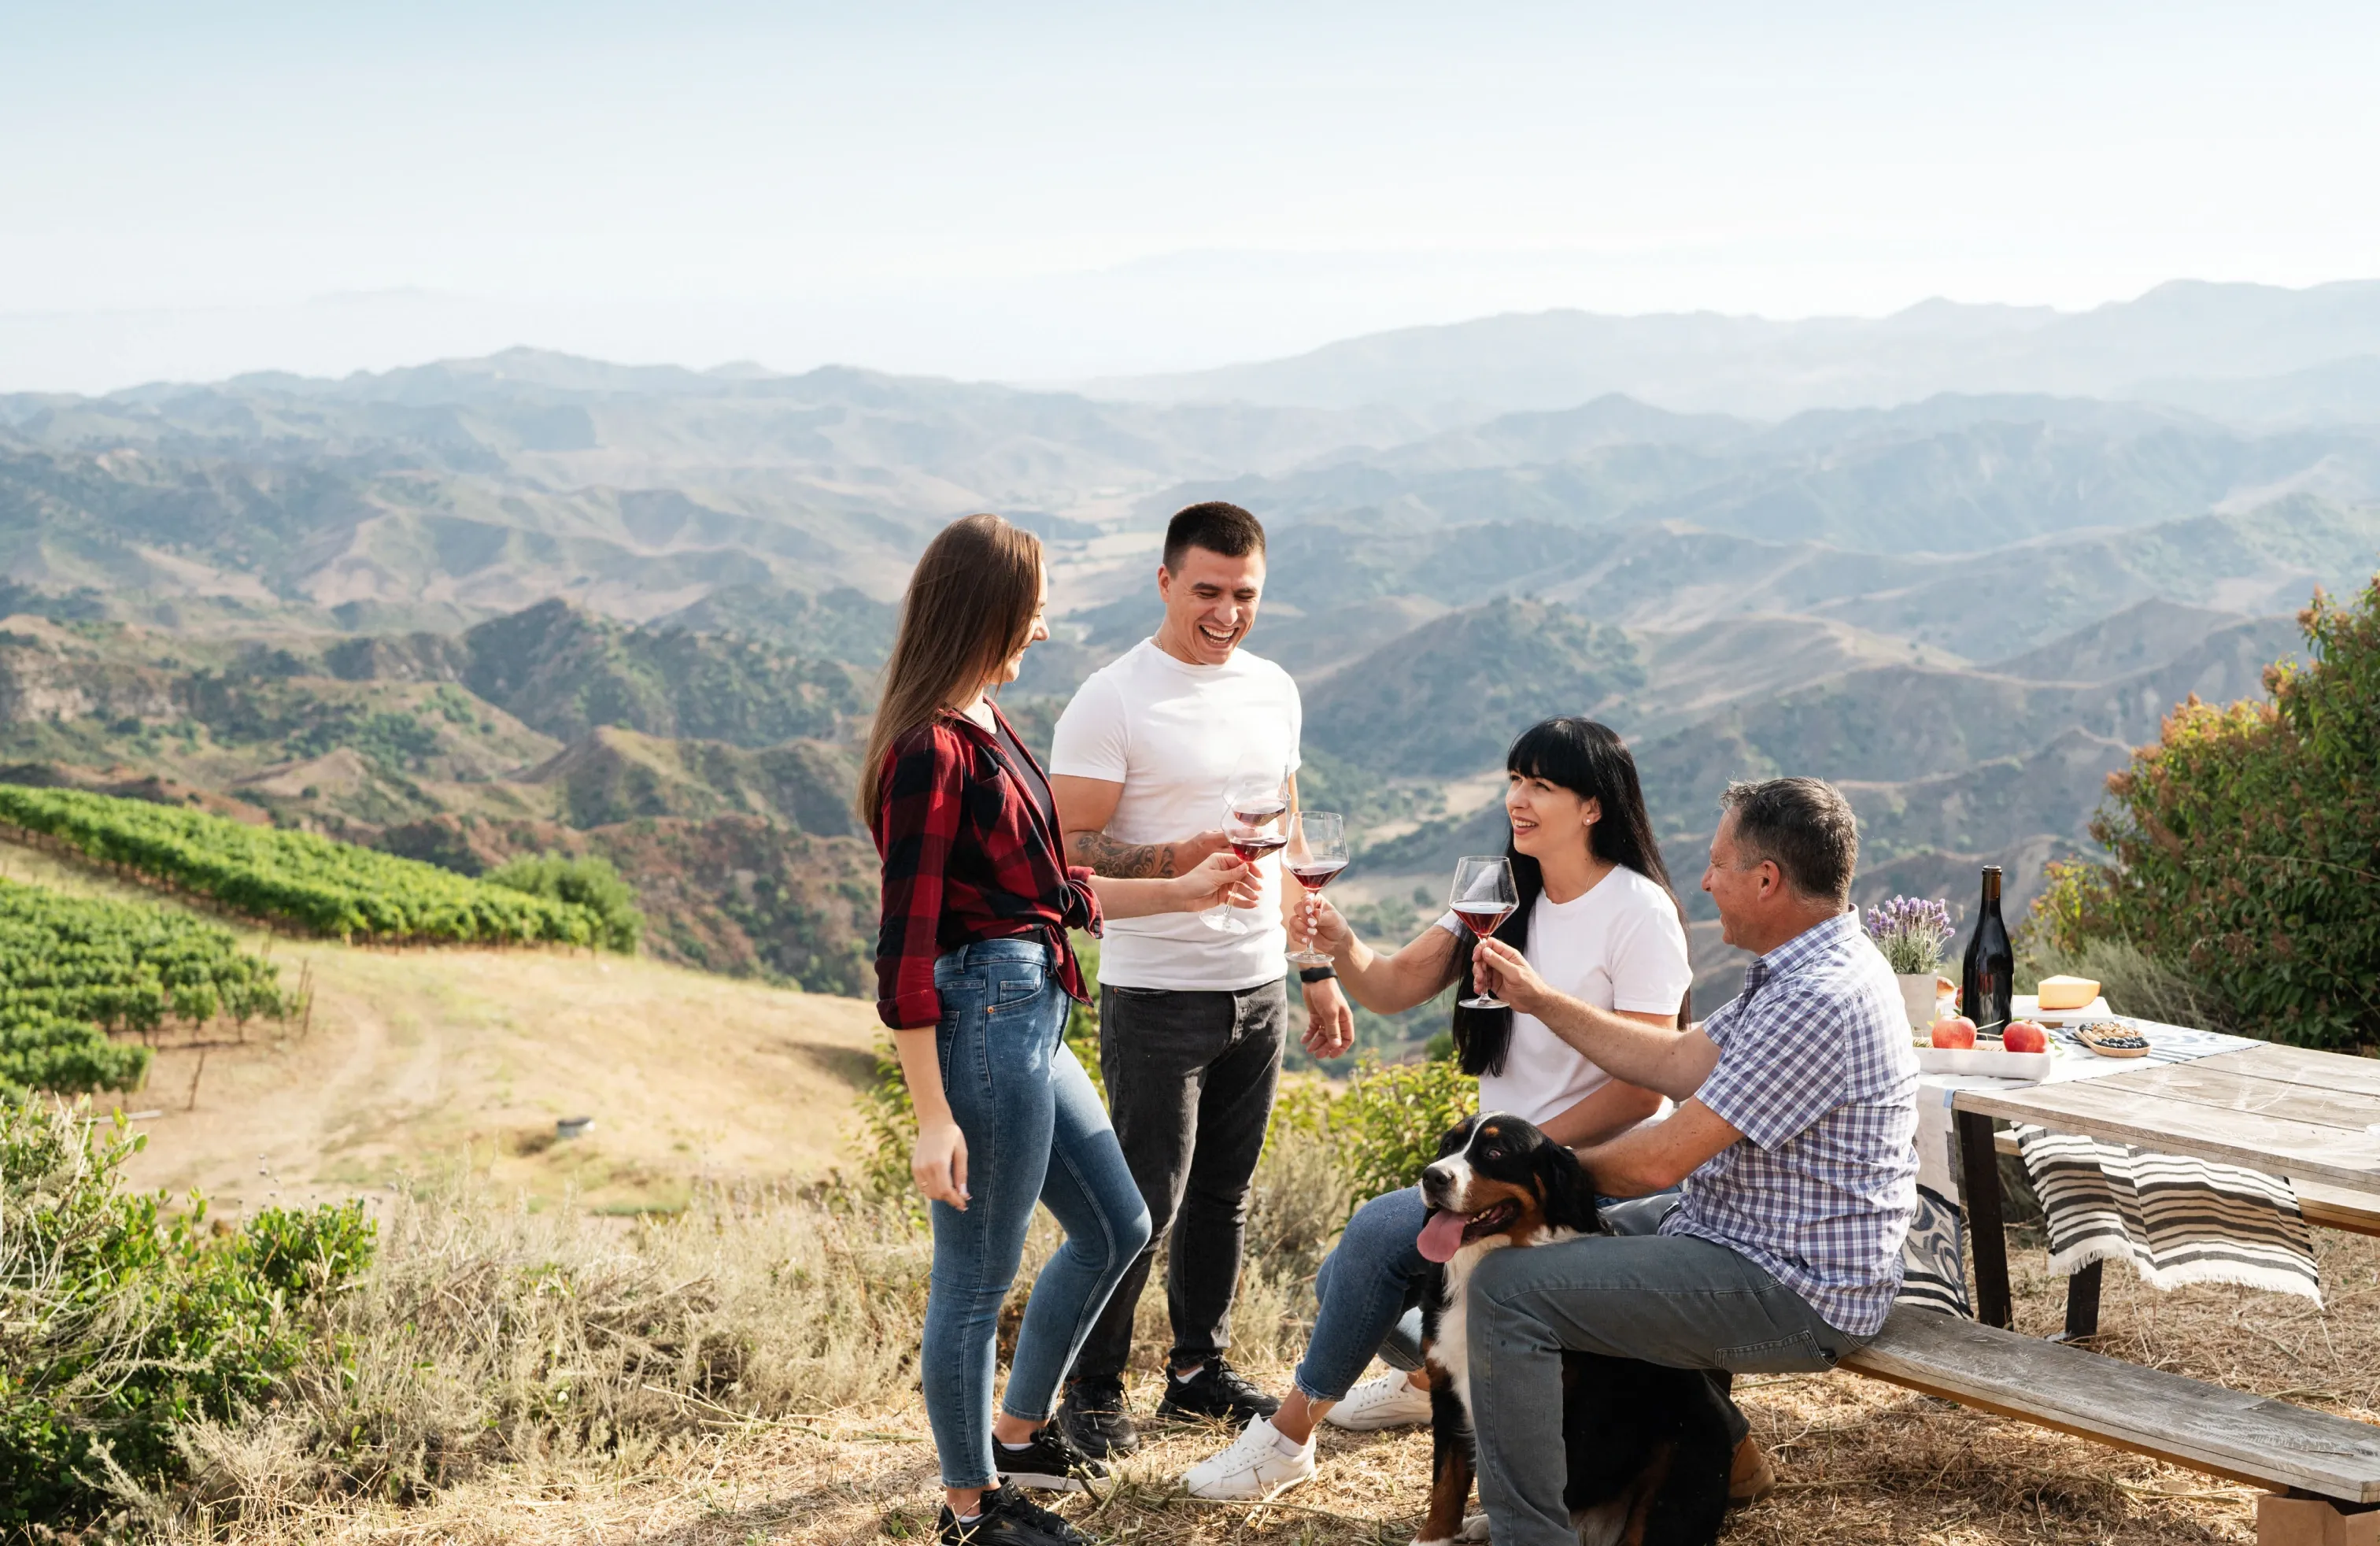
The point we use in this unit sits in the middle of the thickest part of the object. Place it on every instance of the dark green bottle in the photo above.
(1990, 969)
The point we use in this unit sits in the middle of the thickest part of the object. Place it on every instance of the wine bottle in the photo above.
(1987, 976)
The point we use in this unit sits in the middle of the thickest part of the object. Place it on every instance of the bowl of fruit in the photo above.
(1954, 1046)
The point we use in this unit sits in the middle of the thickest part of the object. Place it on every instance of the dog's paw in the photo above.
(1475, 1528)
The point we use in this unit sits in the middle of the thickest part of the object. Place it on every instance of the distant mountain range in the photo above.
(531, 601)
(2217, 345)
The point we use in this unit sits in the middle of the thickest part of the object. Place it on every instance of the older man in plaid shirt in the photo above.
(1795, 1138)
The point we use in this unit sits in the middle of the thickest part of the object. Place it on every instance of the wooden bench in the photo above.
(2227, 1434)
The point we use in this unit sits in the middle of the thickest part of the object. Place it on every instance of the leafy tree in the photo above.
(2245, 844)
(588, 882)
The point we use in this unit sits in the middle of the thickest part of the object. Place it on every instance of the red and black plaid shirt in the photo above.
(969, 854)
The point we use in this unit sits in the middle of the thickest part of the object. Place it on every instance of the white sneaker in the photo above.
(1252, 1468)
(1388, 1401)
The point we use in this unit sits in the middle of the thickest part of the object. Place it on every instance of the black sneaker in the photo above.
(1095, 1418)
(1006, 1519)
(1050, 1462)
(1216, 1392)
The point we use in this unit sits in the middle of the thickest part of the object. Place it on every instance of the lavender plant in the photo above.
(1912, 934)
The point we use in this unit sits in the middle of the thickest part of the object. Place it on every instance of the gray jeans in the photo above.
(1667, 1299)
(1190, 1079)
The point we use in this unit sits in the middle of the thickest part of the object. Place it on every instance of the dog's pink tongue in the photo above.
(1441, 1236)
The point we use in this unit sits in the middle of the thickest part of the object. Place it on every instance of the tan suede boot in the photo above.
(1750, 1478)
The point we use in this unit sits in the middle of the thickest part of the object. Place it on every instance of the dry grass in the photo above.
(414, 1056)
(808, 1428)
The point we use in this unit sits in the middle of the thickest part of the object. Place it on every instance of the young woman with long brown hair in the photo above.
(976, 977)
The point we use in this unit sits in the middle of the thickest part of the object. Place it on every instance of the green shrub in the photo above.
(2134, 981)
(41, 1050)
(1386, 1126)
(120, 1325)
(2245, 844)
(589, 883)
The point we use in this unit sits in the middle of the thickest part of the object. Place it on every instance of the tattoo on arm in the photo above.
(1122, 861)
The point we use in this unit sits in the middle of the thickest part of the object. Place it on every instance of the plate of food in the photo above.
(1954, 1046)
(2062, 1001)
(2111, 1038)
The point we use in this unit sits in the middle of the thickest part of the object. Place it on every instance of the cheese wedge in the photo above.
(2068, 992)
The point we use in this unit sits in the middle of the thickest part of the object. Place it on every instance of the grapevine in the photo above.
(295, 880)
(74, 968)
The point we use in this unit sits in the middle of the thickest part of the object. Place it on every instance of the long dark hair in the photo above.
(1590, 761)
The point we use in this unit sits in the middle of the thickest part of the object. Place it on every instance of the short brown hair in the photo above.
(1801, 826)
(1215, 525)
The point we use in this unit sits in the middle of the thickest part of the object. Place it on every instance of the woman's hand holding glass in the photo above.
(1222, 880)
(1256, 800)
(1328, 932)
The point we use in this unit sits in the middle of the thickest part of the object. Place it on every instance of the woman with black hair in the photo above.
(1598, 921)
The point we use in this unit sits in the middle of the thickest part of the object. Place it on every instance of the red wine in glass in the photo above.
(1483, 896)
(1253, 800)
(1482, 921)
(1258, 845)
(1318, 851)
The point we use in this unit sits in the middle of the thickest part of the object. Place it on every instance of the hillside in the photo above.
(741, 855)
(413, 1060)
(1445, 698)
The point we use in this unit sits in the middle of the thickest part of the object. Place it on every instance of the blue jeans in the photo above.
(1035, 1131)
(1369, 1290)
(1668, 1299)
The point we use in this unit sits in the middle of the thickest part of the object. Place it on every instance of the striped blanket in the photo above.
(2176, 1221)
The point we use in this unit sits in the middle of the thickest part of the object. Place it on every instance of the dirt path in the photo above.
(421, 1060)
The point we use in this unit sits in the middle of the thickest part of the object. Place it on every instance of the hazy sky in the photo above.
(1047, 191)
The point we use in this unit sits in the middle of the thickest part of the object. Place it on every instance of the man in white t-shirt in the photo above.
(1191, 1020)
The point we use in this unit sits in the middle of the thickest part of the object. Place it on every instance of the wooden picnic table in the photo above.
(2312, 1116)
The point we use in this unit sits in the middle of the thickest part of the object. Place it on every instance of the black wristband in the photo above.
(1317, 974)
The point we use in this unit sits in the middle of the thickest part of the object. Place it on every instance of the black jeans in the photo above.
(1190, 1079)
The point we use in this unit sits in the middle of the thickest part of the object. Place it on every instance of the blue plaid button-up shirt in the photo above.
(1815, 1071)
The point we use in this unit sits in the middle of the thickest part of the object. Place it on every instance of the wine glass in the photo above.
(1483, 896)
(1318, 851)
(1253, 804)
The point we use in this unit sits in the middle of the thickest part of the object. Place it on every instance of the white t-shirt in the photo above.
(1172, 734)
(1618, 945)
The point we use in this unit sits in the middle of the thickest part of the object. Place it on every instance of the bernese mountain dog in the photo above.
(1648, 1452)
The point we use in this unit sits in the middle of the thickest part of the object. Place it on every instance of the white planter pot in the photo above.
(1921, 994)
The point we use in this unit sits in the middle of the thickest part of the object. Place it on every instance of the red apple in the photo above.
(2024, 1036)
(1959, 1031)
